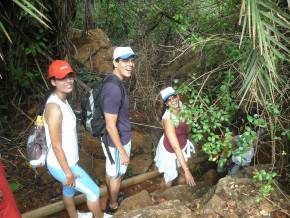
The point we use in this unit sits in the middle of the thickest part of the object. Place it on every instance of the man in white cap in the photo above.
(115, 105)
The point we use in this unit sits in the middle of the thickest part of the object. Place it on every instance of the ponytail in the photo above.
(43, 102)
(163, 110)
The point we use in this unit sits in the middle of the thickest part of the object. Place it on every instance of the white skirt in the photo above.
(167, 162)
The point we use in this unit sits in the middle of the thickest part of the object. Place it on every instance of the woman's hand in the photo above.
(70, 179)
(189, 178)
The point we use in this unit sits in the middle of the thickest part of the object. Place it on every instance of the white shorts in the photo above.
(167, 162)
(117, 169)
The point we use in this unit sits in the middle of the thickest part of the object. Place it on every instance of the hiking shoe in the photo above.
(85, 214)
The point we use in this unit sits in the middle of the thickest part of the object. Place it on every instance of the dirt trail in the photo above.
(149, 185)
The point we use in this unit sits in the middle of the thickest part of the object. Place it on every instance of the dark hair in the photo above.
(164, 107)
(117, 60)
(43, 102)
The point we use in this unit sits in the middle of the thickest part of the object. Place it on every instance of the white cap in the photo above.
(123, 53)
(167, 92)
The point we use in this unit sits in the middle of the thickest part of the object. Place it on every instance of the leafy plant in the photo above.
(28, 8)
(38, 46)
(14, 186)
(266, 178)
(209, 115)
(286, 133)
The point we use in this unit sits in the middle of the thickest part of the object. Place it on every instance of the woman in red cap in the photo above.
(61, 138)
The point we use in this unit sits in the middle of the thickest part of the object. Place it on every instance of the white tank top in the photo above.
(69, 142)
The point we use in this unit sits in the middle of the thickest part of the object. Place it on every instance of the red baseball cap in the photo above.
(59, 69)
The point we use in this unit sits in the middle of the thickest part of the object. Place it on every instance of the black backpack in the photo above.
(92, 114)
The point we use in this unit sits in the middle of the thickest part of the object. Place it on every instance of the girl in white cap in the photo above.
(174, 148)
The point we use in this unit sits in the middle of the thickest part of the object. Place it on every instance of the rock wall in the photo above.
(93, 49)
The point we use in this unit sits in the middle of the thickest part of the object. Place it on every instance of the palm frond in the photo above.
(267, 26)
(32, 11)
(2, 28)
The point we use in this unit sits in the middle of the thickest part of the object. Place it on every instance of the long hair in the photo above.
(164, 108)
(43, 102)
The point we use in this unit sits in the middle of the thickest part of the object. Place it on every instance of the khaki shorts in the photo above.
(117, 169)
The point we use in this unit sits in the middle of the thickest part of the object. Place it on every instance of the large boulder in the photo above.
(140, 163)
(236, 197)
(183, 193)
(141, 152)
(141, 142)
(90, 144)
(211, 177)
(93, 166)
(93, 49)
(137, 201)
(168, 209)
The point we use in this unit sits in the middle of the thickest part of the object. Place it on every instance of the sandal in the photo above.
(110, 210)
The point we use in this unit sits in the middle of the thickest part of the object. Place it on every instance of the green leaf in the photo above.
(30, 9)
(276, 42)
(275, 31)
(2, 28)
(250, 118)
(14, 186)
(272, 7)
(275, 19)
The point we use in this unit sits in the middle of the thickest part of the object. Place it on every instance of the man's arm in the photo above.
(111, 127)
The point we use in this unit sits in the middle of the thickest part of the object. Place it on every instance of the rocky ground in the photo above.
(232, 196)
